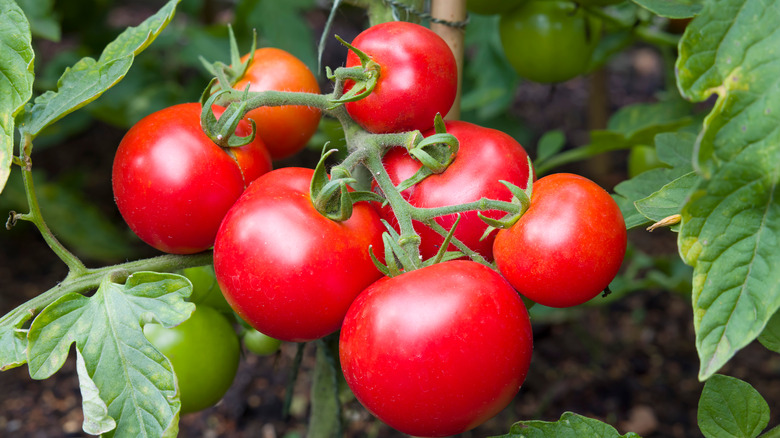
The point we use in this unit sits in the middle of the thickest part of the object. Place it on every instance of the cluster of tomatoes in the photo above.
(433, 351)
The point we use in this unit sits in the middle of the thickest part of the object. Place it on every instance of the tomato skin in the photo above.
(173, 185)
(285, 130)
(205, 290)
(288, 271)
(484, 157)
(204, 351)
(260, 343)
(418, 78)
(437, 351)
(549, 40)
(567, 247)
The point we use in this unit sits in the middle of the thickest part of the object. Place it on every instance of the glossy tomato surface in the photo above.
(287, 270)
(204, 351)
(418, 77)
(567, 247)
(437, 351)
(173, 185)
(484, 157)
(549, 40)
(285, 130)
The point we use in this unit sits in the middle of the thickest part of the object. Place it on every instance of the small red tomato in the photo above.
(287, 270)
(285, 130)
(418, 78)
(173, 185)
(484, 157)
(567, 247)
(439, 350)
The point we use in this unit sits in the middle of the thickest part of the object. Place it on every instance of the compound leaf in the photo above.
(89, 78)
(731, 225)
(135, 383)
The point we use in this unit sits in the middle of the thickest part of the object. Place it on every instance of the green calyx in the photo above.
(520, 197)
(364, 77)
(228, 75)
(222, 131)
(331, 196)
(435, 152)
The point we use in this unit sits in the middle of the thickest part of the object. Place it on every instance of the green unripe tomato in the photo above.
(204, 351)
(490, 7)
(642, 158)
(549, 40)
(260, 343)
(205, 289)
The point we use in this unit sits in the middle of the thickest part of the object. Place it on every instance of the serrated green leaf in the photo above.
(16, 77)
(640, 187)
(569, 425)
(675, 149)
(731, 226)
(729, 407)
(770, 337)
(13, 340)
(672, 8)
(134, 380)
(669, 199)
(639, 123)
(88, 78)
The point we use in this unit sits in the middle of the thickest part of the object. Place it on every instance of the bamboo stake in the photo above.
(454, 11)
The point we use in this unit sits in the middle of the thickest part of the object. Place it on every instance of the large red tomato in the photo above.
(173, 185)
(284, 129)
(485, 156)
(439, 350)
(418, 78)
(567, 247)
(287, 270)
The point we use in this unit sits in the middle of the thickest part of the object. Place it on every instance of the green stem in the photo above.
(89, 279)
(462, 247)
(75, 266)
(423, 214)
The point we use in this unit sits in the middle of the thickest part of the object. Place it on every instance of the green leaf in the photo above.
(550, 144)
(639, 123)
(16, 78)
(88, 78)
(135, 381)
(675, 149)
(730, 407)
(672, 8)
(569, 425)
(640, 187)
(731, 226)
(13, 340)
(669, 199)
(96, 418)
(770, 337)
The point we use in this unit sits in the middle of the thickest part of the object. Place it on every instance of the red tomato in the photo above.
(284, 129)
(485, 156)
(287, 270)
(418, 78)
(173, 185)
(439, 350)
(567, 247)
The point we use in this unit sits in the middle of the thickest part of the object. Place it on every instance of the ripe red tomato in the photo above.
(567, 247)
(437, 351)
(418, 78)
(285, 130)
(484, 157)
(288, 271)
(204, 351)
(173, 185)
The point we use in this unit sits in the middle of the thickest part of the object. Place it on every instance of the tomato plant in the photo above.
(287, 270)
(204, 351)
(568, 245)
(173, 185)
(437, 351)
(285, 130)
(485, 157)
(549, 40)
(418, 77)
(205, 289)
